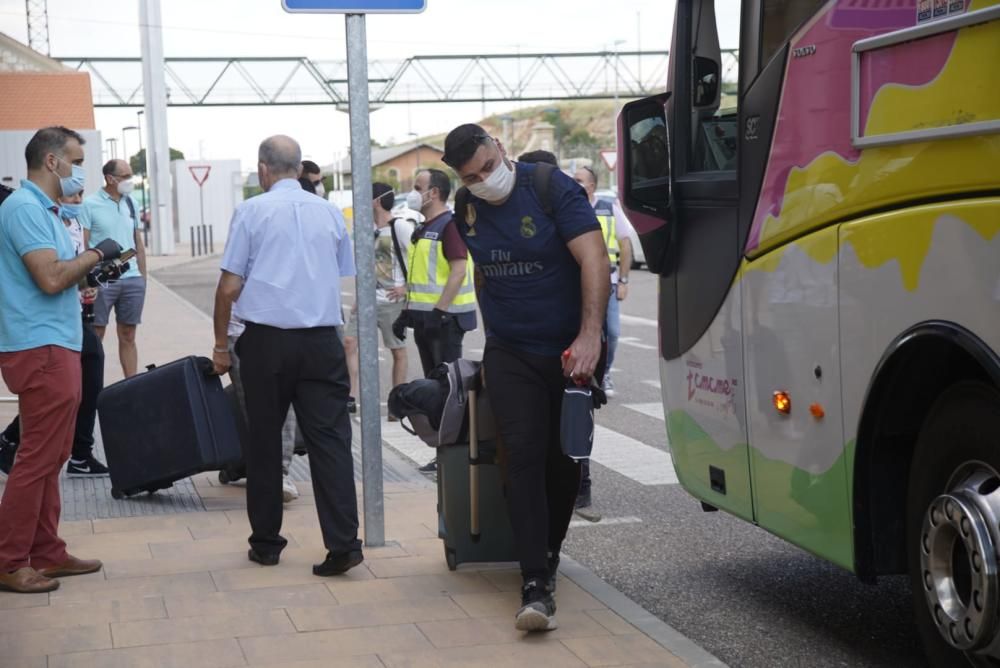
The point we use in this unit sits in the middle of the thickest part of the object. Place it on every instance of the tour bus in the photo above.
(822, 209)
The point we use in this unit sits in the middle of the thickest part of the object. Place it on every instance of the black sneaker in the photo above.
(352, 405)
(339, 564)
(429, 467)
(538, 608)
(550, 582)
(86, 468)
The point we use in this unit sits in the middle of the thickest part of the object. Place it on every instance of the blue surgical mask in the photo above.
(69, 211)
(72, 184)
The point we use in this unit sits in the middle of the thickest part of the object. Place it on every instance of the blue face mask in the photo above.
(69, 211)
(72, 184)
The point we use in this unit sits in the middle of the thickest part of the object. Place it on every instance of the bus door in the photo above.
(686, 208)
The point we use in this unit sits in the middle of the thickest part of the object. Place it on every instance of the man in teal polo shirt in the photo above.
(40, 340)
(111, 213)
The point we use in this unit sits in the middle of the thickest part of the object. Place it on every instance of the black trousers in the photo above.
(526, 394)
(92, 363)
(304, 368)
(436, 349)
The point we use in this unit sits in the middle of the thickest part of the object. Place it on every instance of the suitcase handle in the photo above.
(474, 529)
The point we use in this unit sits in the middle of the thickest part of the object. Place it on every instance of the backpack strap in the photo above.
(131, 210)
(542, 183)
(461, 204)
(396, 247)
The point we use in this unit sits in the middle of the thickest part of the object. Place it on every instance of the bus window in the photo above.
(714, 86)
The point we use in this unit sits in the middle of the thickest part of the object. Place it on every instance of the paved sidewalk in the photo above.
(178, 591)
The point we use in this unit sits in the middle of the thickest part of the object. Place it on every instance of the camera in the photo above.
(109, 271)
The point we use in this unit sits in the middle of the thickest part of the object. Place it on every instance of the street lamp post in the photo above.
(143, 163)
(112, 148)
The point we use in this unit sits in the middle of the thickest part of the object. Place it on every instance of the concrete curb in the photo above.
(665, 635)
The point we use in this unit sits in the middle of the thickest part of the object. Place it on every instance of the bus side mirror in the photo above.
(644, 159)
(644, 174)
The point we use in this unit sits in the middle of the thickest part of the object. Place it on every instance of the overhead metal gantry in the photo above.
(214, 82)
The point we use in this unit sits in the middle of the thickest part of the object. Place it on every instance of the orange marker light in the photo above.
(817, 411)
(782, 402)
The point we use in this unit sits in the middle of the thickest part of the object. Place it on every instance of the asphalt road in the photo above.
(745, 596)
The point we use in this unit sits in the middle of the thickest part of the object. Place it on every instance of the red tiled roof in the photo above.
(32, 100)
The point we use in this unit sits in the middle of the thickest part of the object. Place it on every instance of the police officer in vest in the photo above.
(440, 300)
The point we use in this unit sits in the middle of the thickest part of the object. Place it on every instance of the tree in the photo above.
(138, 161)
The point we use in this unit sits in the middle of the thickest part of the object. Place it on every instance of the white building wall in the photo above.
(222, 191)
(13, 167)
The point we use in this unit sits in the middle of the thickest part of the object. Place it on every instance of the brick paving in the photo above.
(177, 589)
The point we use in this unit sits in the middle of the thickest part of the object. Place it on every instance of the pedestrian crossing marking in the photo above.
(636, 320)
(605, 521)
(631, 458)
(653, 409)
(652, 383)
(635, 343)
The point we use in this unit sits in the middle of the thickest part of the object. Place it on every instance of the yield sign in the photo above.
(610, 158)
(200, 173)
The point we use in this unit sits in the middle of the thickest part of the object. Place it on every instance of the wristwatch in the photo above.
(623, 280)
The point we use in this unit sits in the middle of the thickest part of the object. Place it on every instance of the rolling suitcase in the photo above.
(166, 424)
(472, 508)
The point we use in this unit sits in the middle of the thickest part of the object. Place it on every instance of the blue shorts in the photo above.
(127, 296)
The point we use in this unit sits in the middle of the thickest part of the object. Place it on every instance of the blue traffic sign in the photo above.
(355, 6)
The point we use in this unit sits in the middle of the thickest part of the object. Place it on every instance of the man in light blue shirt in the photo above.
(40, 340)
(286, 253)
(110, 213)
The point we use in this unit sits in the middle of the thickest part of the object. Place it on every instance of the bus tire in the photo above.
(953, 503)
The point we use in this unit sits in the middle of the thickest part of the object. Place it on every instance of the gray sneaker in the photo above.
(538, 608)
(608, 386)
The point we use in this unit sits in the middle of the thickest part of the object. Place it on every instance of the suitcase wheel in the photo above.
(117, 494)
(450, 558)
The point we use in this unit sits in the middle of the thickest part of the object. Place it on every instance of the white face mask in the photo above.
(497, 186)
(414, 200)
(320, 189)
(125, 187)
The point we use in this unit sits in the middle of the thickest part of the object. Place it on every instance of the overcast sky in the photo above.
(262, 28)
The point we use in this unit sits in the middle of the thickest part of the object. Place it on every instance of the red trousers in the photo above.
(47, 382)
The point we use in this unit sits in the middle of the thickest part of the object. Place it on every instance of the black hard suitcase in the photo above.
(472, 510)
(166, 424)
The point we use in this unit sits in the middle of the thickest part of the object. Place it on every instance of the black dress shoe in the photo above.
(335, 565)
(263, 559)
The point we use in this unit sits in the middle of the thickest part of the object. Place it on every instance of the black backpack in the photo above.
(5, 192)
(541, 181)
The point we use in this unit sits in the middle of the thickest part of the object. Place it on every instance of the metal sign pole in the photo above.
(364, 254)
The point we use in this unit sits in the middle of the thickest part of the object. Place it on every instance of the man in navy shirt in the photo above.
(543, 289)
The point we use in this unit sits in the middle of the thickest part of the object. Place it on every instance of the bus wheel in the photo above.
(953, 528)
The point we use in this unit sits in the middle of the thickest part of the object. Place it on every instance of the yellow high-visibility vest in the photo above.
(429, 271)
(610, 238)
